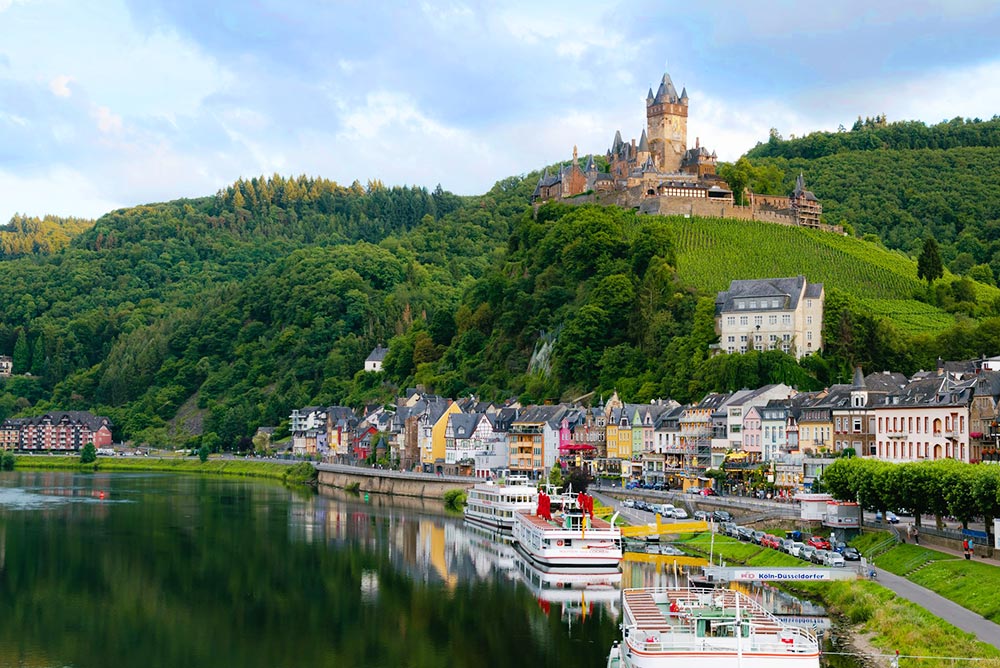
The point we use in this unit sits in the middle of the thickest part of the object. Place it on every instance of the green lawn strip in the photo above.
(870, 539)
(899, 624)
(972, 584)
(769, 557)
(905, 558)
(237, 467)
(725, 547)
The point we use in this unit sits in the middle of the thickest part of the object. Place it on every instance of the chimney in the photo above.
(697, 142)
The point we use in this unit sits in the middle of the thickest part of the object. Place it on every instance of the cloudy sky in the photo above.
(119, 102)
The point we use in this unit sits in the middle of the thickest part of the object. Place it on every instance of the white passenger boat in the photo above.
(493, 504)
(717, 628)
(571, 538)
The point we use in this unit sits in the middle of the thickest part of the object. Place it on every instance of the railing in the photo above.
(881, 548)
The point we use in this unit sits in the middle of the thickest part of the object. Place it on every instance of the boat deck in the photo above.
(541, 523)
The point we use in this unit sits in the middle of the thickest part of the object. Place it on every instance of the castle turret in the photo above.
(666, 121)
(642, 153)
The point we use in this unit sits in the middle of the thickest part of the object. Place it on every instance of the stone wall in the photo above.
(380, 481)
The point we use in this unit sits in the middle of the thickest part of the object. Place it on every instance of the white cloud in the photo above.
(107, 121)
(60, 86)
(65, 192)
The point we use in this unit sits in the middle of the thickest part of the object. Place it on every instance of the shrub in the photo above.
(454, 498)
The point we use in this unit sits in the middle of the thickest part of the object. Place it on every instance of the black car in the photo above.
(722, 516)
(745, 533)
(851, 554)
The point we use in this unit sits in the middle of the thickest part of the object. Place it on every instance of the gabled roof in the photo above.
(787, 290)
(377, 355)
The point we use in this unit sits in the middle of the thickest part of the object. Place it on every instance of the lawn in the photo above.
(905, 558)
(971, 584)
(239, 467)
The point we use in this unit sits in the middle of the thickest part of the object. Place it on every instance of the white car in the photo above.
(679, 514)
(834, 559)
(795, 549)
(628, 503)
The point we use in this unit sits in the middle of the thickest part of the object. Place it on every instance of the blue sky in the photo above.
(121, 102)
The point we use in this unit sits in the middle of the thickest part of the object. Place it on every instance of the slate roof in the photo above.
(378, 354)
(643, 142)
(463, 425)
(666, 93)
(91, 421)
(788, 290)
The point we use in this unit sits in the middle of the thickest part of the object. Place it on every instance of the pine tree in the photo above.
(38, 357)
(22, 354)
(929, 263)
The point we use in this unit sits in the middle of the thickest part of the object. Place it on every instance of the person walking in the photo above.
(916, 536)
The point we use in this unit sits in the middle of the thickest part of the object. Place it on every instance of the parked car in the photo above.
(769, 540)
(796, 549)
(757, 536)
(708, 491)
(665, 509)
(795, 535)
(744, 533)
(728, 528)
(694, 490)
(819, 543)
(851, 554)
(701, 515)
(784, 544)
(628, 503)
(834, 559)
(838, 547)
(722, 516)
(679, 514)
(806, 552)
(819, 556)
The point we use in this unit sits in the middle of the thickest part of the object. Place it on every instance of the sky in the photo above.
(116, 103)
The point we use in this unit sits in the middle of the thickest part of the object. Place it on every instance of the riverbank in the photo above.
(878, 618)
(293, 473)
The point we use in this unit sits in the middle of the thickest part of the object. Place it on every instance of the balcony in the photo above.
(897, 434)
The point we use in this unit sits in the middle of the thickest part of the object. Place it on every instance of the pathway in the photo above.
(985, 630)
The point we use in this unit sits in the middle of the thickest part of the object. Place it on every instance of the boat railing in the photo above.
(792, 640)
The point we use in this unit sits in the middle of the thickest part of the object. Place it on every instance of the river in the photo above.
(185, 571)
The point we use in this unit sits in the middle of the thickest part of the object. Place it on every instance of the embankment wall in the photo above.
(380, 481)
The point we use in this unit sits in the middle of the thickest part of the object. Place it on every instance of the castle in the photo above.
(661, 175)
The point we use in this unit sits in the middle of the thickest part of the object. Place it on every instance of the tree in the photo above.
(89, 454)
(929, 265)
(22, 354)
(203, 453)
(556, 475)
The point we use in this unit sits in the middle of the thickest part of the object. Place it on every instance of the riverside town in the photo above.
(596, 336)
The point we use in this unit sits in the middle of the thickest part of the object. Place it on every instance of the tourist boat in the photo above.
(716, 628)
(570, 538)
(493, 504)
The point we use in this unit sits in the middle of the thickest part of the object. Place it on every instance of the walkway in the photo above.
(985, 630)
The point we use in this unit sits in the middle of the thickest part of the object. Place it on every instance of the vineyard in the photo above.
(711, 252)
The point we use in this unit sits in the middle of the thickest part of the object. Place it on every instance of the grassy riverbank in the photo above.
(884, 620)
(971, 584)
(295, 473)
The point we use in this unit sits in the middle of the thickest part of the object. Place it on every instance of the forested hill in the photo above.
(25, 235)
(200, 320)
(905, 181)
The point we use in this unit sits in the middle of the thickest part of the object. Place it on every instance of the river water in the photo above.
(183, 571)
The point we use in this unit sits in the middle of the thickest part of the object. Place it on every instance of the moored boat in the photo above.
(717, 628)
(493, 504)
(571, 538)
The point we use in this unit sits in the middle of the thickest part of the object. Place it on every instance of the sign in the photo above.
(996, 533)
(787, 574)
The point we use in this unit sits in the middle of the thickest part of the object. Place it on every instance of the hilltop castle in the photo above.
(661, 175)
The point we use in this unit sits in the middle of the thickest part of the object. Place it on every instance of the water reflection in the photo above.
(171, 570)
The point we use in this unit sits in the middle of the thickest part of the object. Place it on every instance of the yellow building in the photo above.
(438, 427)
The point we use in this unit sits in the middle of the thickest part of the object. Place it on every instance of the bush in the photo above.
(454, 499)
(7, 462)
(89, 454)
(203, 453)
(302, 473)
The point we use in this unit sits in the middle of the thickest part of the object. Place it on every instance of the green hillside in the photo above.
(905, 181)
(712, 252)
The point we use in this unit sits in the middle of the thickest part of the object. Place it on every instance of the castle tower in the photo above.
(666, 122)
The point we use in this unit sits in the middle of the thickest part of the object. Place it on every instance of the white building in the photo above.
(770, 314)
(928, 419)
(374, 361)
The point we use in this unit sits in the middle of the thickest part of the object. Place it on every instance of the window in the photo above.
(743, 338)
(809, 303)
(753, 304)
(857, 425)
(731, 339)
(809, 335)
(731, 320)
(786, 319)
(744, 320)
(774, 303)
(741, 304)
(758, 320)
(809, 320)
(772, 320)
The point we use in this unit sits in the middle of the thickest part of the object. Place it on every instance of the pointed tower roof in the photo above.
(666, 92)
(617, 143)
(649, 97)
(859, 379)
(591, 167)
(684, 93)
(800, 186)
(643, 142)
